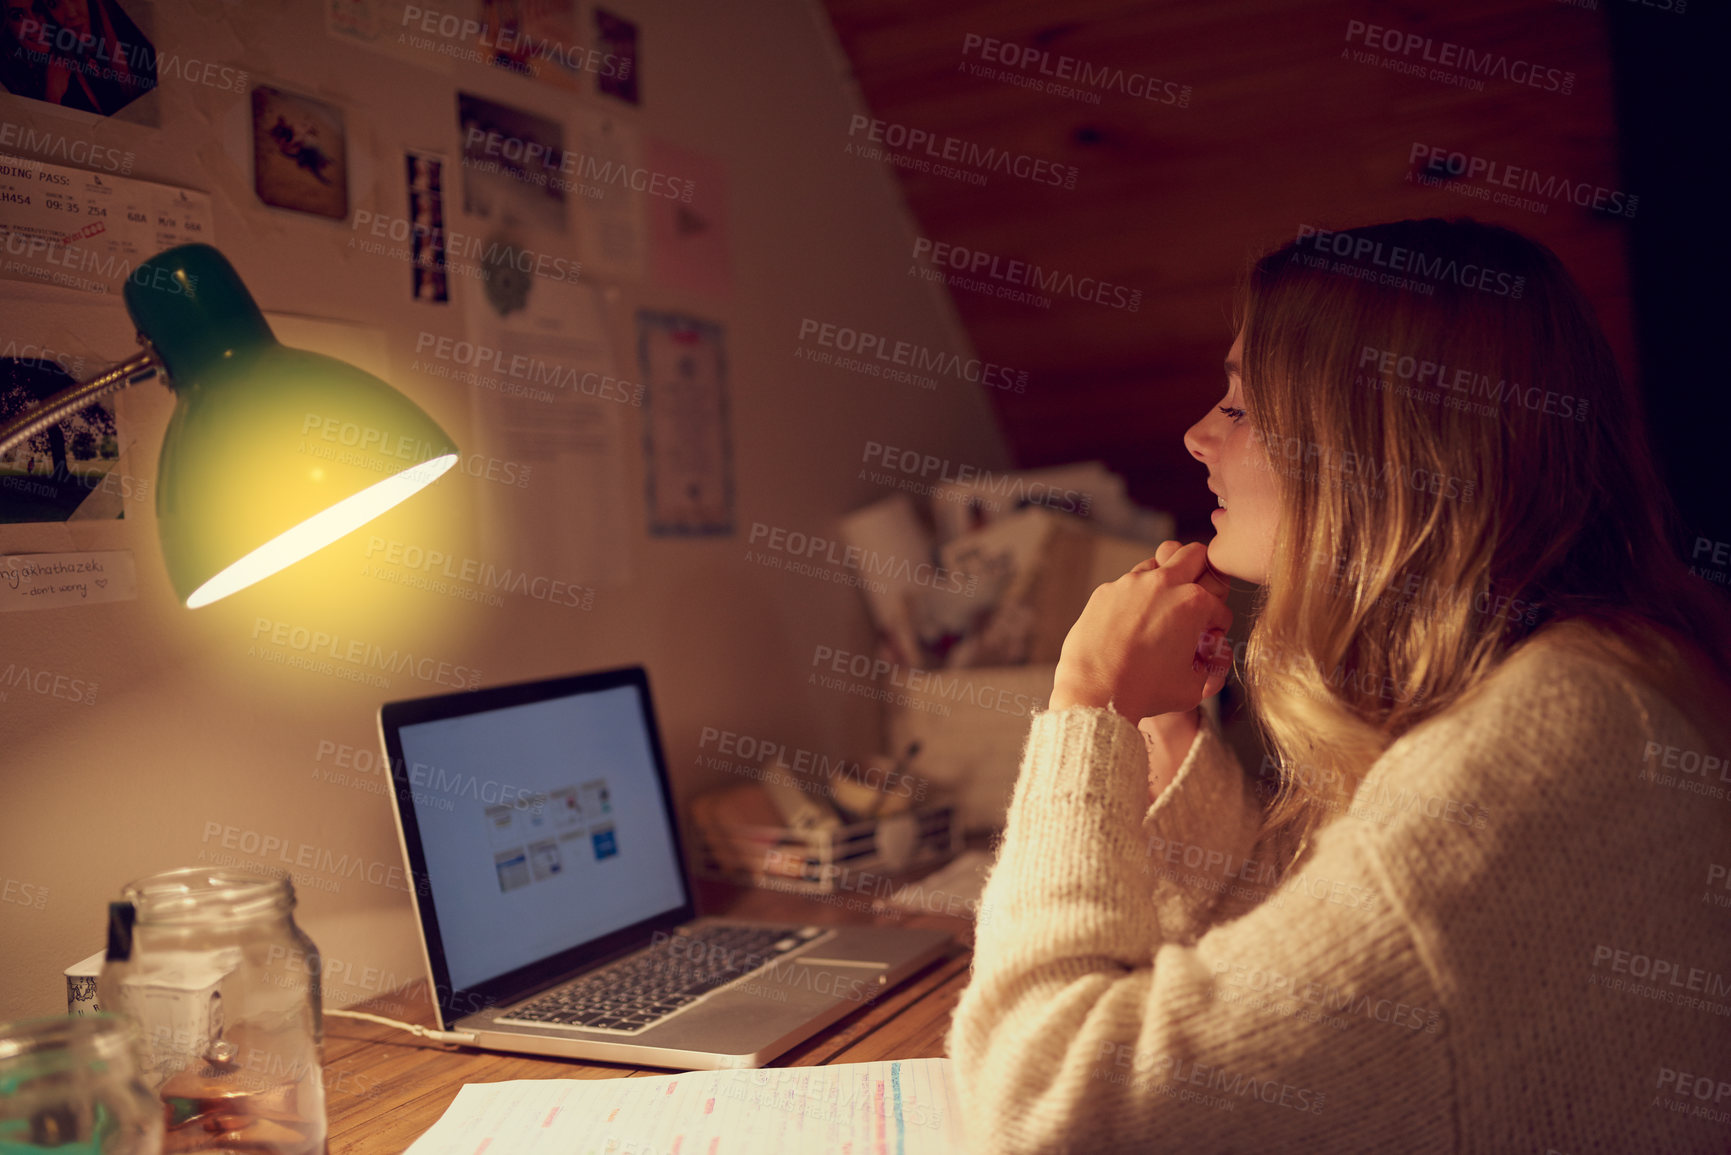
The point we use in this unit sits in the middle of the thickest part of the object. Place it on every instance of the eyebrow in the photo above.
(1232, 368)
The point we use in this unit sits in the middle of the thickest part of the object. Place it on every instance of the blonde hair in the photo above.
(1460, 465)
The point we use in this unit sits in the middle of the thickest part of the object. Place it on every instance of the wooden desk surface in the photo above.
(384, 1087)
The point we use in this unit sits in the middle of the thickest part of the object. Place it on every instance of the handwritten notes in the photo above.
(40, 581)
(893, 1107)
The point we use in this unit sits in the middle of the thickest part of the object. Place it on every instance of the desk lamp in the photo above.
(272, 453)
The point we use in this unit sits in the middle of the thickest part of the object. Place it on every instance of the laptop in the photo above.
(553, 894)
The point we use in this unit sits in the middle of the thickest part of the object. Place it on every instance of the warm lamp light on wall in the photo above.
(242, 489)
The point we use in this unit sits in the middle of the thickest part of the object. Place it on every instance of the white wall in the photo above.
(187, 730)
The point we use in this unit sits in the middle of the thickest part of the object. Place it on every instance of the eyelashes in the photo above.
(1236, 414)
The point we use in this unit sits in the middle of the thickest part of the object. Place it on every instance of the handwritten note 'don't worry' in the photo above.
(40, 581)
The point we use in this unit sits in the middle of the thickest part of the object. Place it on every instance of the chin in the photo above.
(1223, 560)
(1220, 558)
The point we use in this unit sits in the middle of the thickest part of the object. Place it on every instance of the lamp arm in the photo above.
(141, 366)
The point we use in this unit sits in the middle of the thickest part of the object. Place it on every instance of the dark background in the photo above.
(1282, 130)
(1673, 103)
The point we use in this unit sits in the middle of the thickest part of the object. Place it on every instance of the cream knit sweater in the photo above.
(1518, 939)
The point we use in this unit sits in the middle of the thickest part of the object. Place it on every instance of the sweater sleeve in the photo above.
(1090, 1023)
(1198, 838)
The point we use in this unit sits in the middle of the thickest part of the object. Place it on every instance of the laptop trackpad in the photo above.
(767, 1004)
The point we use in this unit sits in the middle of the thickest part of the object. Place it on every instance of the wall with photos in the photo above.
(585, 529)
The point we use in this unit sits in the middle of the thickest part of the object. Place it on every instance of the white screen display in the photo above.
(543, 828)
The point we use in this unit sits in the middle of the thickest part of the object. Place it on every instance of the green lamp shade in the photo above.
(271, 453)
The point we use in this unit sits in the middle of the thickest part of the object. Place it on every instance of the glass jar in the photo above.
(224, 989)
(70, 1085)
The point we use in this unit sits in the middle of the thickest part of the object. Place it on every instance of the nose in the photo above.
(1199, 441)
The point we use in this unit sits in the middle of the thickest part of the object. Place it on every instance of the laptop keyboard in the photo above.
(635, 993)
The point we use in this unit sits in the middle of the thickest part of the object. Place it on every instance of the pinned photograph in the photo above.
(534, 38)
(511, 161)
(62, 472)
(300, 159)
(406, 33)
(85, 54)
(426, 177)
(618, 40)
(363, 20)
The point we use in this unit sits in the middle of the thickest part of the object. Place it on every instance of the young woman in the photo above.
(1478, 902)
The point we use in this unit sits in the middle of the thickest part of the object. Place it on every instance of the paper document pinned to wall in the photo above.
(901, 1105)
(90, 230)
(559, 427)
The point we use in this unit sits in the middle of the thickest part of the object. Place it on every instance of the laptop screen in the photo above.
(543, 824)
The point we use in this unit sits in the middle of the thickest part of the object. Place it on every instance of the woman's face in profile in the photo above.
(1240, 474)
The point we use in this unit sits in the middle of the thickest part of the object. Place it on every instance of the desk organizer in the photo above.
(831, 861)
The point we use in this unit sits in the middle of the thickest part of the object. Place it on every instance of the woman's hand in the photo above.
(1147, 644)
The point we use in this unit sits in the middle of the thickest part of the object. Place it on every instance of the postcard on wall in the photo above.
(95, 56)
(687, 443)
(536, 39)
(429, 276)
(617, 38)
(86, 230)
(688, 237)
(612, 186)
(414, 34)
(512, 162)
(300, 154)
